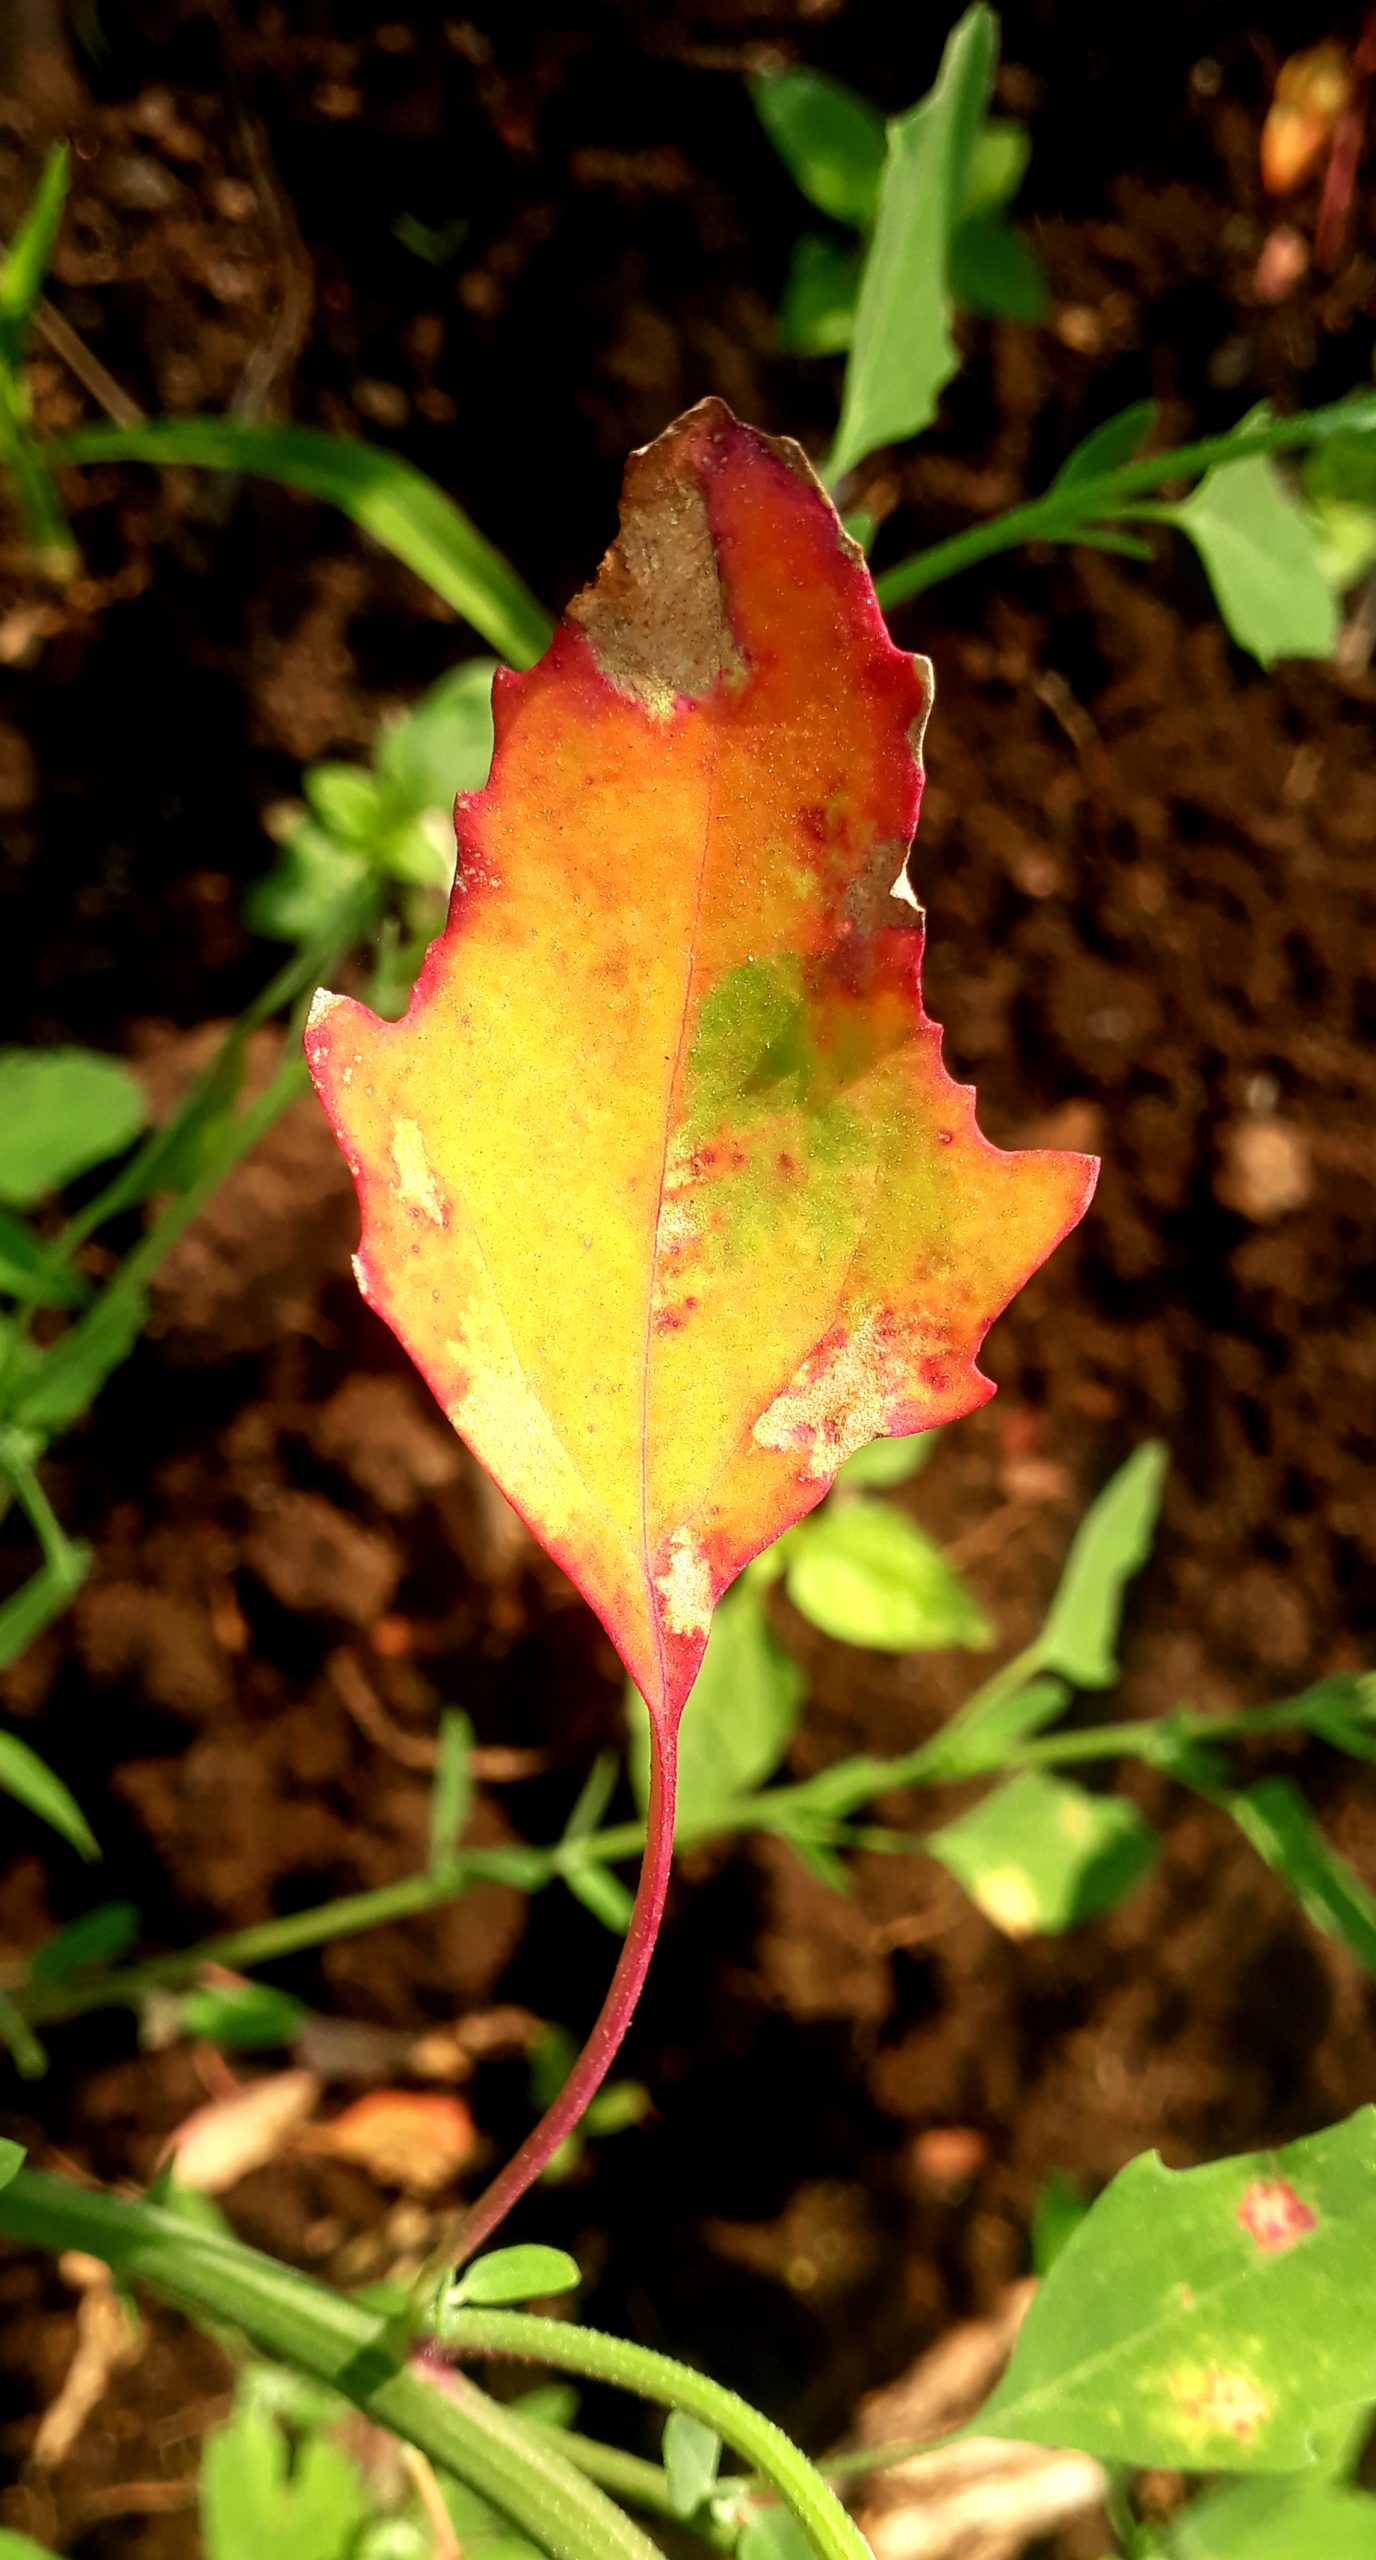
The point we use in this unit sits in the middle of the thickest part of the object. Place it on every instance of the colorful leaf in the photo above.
(664, 1186)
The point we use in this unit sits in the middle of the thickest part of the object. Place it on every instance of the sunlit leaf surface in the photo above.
(664, 1185)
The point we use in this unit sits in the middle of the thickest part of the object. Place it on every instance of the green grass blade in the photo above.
(387, 497)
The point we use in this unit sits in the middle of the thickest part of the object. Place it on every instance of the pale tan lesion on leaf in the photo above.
(415, 1185)
(685, 1586)
(836, 1403)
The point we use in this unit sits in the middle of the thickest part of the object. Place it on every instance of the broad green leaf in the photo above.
(671, 1221)
(62, 1111)
(773, 2534)
(29, 256)
(743, 1714)
(385, 496)
(1060, 2210)
(518, 2275)
(692, 2458)
(1274, 2520)
(315, 887)
(1213, 2319)
(889, 1462)
(21, 2546)
(246, 2015)
(94, 1939)
(1106, 448)
(1259, 554)
(1275, 1818)
(997, 167)
(1039, 1856)
(32, 1783)
(866, 1573)
(444, 744)
(903, 353)
(615, 2109)
(817, 313)
(346, 802)
(264, 2498)
(1080, 1636)
(830, 140)
(11, 2160)
(1339, 485)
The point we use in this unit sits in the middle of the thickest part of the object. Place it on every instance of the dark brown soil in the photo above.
(1149, 875)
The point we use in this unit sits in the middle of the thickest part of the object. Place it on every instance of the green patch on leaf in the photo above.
(1039, 1856)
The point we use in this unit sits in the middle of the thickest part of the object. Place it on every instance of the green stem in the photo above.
(761, 2445)
(287, 2315)
(1060, 514)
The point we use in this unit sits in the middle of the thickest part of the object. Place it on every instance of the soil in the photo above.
(1148, 871)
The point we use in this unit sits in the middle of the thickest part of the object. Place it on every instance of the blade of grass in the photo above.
(387, 497)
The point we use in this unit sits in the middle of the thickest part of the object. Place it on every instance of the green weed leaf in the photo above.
(1275, 1818)
(29, 256)
(517, 2275)
(386, 497)
(245, 2015)
(1120, 439)
(263, 2498)
(1259, 555)
(96, 1938)
(817, 313)
(11, 2160)
(32, 1783)
(889, 1462)
(603, 1894)
(830, 140)
(1275, 2520)
(1112, 1543)
(23, 1618)
(29, 1270)
(1039, 1856)
(1211, 2319)
(692, 2459)
(62, 1111)
(866, 1573)
(903, 354)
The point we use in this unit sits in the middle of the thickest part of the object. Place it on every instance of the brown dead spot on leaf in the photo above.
(1275, 2215)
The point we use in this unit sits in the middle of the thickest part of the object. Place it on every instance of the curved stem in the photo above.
(220, 2281)
(765, 2447)
(613, 2018)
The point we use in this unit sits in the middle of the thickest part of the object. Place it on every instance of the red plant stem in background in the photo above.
(1341, 177)
(614, 2017)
